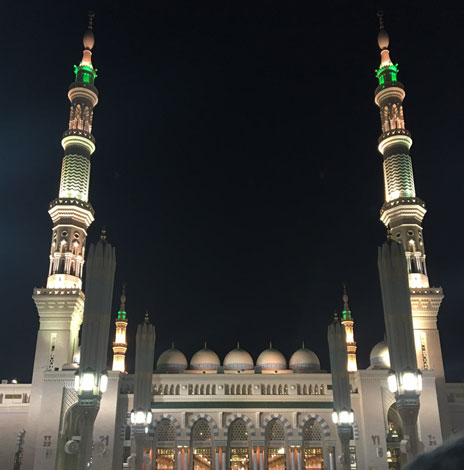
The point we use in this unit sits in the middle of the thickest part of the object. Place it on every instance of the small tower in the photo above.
(348, 324)
(120, 341)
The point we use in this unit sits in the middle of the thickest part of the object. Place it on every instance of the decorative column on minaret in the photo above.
(120, 341)
(348, 324)
(60, 305)
(141, 416)
(91, 380)
(404, 380)
(403, 212)
(342, 414)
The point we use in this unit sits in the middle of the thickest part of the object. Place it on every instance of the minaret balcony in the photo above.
(393, 132)
(72, 209)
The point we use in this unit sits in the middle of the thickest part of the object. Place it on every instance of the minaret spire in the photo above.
(348, 323)
(120, 341)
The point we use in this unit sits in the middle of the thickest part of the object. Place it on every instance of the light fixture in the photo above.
(76, 381)
(392, 381)
(149, 417)
(87, 381)
(132, 417)
(409, 381)
(103, 383)
(334, 417)
(139, 417)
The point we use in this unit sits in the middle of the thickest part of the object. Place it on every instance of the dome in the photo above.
(238, 358)
(304, 360)
(205, 359)
(380, 357)
(271, 359)
(171, 360)
(77, 356)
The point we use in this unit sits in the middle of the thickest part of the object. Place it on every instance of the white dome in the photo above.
(380, 356)
(172, 360)
(304, 360)
(77, 356)
(271, 359)
(205, 359)
(238, 358)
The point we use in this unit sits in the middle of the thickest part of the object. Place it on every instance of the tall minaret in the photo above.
(348, 324)
(403, 212)
(120, 341)
(61, 303)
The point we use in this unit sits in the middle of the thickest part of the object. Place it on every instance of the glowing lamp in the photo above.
(87, 381)
(392, 382)
(103, 383)
(419, 381)
(132, 417)
(334, 417)
(76, 382)
(140, 417)
(409, 381)
(149, 417)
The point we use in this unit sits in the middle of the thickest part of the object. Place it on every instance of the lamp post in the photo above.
(141, 415)
(91, 380)
(342, 415)
(404, 379)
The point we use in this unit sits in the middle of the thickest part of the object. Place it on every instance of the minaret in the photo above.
(348, 324)
(403, 212)
(120, 341)
(60, 304)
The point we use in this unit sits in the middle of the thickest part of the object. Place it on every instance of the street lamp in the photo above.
(140, 419)
(90, 383)
(343, 417)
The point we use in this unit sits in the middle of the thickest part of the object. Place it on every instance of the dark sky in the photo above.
(236, 167)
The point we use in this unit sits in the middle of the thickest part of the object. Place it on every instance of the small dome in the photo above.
(304, 360)
(205, 359)
(171, 360)
(238, 358)
(271, 359)
(383, 39)
(380, 357)
(77, 356)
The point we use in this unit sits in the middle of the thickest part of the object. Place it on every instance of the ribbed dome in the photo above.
(304, 360)
(380, 356)
(172, 360)
(205, 359)
(238, 358)
(271, 359)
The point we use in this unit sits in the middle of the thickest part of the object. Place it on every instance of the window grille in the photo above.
(275, 431)
(238, 430)
(312, 431)
(165, 431)
(201, 430)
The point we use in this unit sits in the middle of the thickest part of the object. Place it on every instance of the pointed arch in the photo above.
(321, 421)
(250, 425)
(175, 423)
(194, 418)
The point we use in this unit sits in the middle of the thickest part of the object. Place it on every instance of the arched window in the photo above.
(165, 431)
(201, 431)
(238, 445)
(275, 445)
(165, 436)
(201, 445)
(312, 444)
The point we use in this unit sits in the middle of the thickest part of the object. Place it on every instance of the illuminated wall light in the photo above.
(87, 381)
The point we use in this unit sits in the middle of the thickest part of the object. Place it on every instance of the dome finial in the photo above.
(270, 344)
(91, 17)
(238, 344)
(103, 233)
(206, 346)
(172, 344)
(345, 298)
(146, 319)
(302, 344)
(383, 39)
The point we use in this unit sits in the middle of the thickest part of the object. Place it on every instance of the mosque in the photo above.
(235, 414)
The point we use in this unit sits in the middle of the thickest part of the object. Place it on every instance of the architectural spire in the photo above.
(147, 318)
(403, 212)
(120, 341)
(348, 324)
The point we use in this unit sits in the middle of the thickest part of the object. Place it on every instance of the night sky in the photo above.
(236, 168)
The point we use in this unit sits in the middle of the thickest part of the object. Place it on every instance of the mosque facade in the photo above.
(235, 414)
